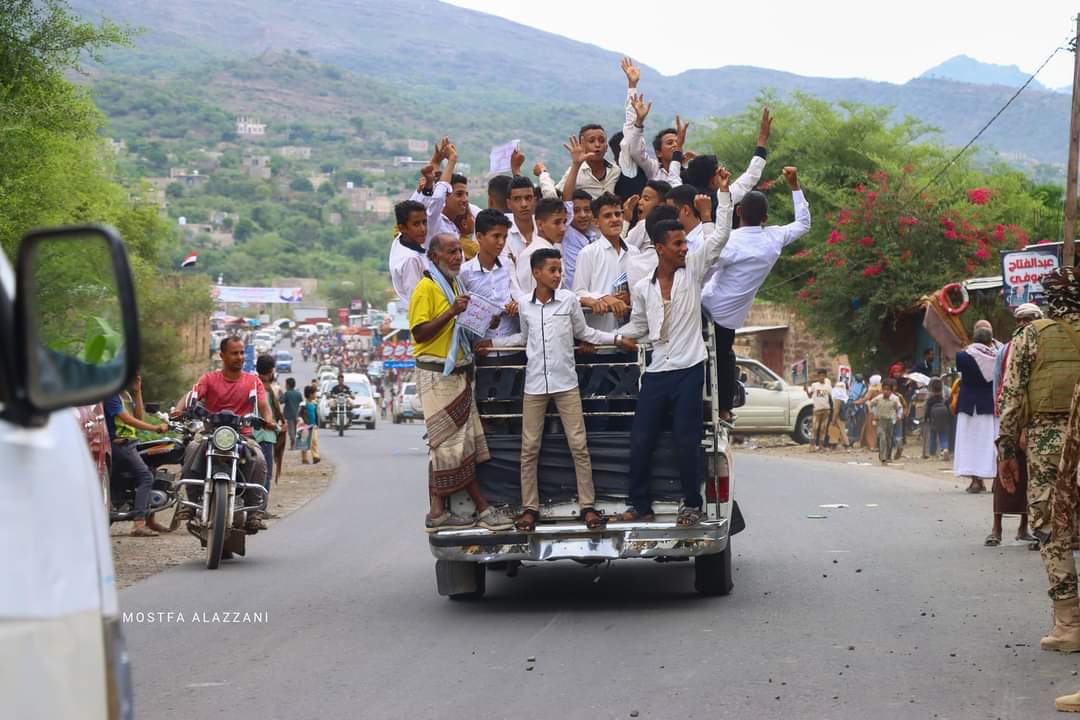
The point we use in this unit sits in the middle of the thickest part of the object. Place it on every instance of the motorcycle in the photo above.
(227, 497)
(341, 407)
(157, 454)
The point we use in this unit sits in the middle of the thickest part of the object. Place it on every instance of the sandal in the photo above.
(594, 519)
(992, 540)
(632, 515)
(143, 532)
(526, 521)
(689, 516)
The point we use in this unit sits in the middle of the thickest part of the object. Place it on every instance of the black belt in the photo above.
(436, 367)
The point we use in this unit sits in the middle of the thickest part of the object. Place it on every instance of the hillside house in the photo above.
(257, 166)
(188, 178)
(250, 127)
(477, 187)
(118, 147)
(294, 152)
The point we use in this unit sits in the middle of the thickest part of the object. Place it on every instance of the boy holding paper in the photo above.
(491, 273)
(550, 321)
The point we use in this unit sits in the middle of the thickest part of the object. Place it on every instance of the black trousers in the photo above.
(725, 368)
(677, 392)
(126, 459)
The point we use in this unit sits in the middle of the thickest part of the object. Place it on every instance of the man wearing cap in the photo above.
(1041, 372)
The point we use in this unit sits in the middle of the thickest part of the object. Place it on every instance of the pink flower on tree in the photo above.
(845, 217)
(907, 220)
(951, 235)
(835, 238)
(871, 197)
(871, 271)
(803, 253)
(948, 224)
(999, 233)
(979, 196)
(860, 188)
(867, 241)
(983, 253)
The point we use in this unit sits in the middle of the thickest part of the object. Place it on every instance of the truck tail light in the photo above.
(719, 490)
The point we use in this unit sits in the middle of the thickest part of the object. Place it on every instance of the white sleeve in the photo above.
(582, 331)
(547, 185)
(795, 230)
(518, 339)
(716, 238)
(634, 143)
(411, 274)
(746, 182)
(583, 274)
(437, 202)
(562, 183)
(638, 325)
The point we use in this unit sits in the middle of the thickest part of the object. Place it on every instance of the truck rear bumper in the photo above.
(575, 542)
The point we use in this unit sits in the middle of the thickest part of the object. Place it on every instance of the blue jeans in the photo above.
(126, 458)
(939, 440)
(677, 392)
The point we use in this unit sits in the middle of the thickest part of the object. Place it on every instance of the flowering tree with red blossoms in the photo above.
(890, 248)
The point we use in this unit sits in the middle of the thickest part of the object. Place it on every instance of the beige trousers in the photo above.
(568, 403)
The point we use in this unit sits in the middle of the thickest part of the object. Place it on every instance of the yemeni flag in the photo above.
(190, 260)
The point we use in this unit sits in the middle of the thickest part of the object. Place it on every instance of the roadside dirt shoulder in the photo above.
(137, 558)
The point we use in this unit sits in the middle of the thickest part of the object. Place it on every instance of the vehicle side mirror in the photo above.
(75, 318)
(772, 385)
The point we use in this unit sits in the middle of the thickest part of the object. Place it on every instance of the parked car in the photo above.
(284, 361)
(91, 419)
(772, 406)
(63, 653)
(407, 406)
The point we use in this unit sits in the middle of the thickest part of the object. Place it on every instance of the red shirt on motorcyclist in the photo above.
(230, 388)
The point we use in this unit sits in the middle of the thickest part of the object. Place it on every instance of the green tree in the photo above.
(301, 185)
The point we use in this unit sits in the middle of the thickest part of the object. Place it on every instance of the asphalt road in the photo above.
(889, 608)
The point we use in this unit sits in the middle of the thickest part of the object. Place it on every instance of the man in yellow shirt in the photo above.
(444, 380)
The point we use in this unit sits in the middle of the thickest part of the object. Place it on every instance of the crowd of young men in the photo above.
(643, 243)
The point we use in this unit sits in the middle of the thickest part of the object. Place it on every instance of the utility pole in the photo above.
(1069, 251)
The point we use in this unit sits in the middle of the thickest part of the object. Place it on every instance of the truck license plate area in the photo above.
(579, 548)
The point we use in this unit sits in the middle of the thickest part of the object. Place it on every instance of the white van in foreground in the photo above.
(62, 652)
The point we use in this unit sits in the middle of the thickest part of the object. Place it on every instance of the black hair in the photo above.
(489, 219)
(661, 229)
(658, 139)
(615, 143)
(290, 383)
(661, 187)
(458, 179)
(224, 345)
(499, 187)
(264, 364)
(580, 194)
(683, 195)
(935, 386)
(541, 256)
(927, 350)
(309, 391)
(701, 169)
(657, 215)
(753, 208)
(548, 207)
(605, 200)
(405, 208)
(586, 128)
(519, 182)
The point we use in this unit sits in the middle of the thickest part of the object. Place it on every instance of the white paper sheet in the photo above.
(500, 156)
(478, 314)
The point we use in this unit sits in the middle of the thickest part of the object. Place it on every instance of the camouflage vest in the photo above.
(1057, 368)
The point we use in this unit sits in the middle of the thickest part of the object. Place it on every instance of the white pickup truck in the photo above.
(609, 385)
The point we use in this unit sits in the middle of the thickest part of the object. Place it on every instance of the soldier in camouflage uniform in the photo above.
(1043, 369)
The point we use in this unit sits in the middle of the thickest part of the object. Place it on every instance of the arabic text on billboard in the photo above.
(233, 294)
(1022, 272)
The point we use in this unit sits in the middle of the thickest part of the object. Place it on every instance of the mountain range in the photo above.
(467, 58)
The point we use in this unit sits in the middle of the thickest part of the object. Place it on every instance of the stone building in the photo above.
(775, 336)
(250, 127)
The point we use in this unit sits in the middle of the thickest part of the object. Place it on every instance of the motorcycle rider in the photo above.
(242, 393)
(341, 388)
(123, 416)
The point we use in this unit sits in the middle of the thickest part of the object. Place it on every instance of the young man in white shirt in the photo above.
(551, 216)
(644, 263)
(407, 253)
(742, 269)
(522, 204)
(550, 321)
(579, 233)
(654, 193)
(491, 273)
(682, 199)
(821, 393)
(450, 199)
(667, 144)
(601, 280)
(667, 311)
(598, 175)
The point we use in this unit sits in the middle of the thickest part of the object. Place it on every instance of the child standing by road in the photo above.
(888, 410)
(550, 320)
(821, 393)
(310, 414)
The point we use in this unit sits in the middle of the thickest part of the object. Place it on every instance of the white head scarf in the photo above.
(875, 379)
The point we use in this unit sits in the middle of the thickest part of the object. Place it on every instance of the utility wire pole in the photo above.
(1069, 251)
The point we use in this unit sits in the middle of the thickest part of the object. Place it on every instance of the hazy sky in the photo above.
(826, 38)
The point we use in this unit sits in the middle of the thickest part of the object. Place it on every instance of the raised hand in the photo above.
(641, 109)
(539, 169)
(725, 179)
(578, 155)
(517, 160)
(764, 128)
(689, 155)
(703, 205)
(629, 206)
(791, 175)
(680, 131)
(450, 151)
(633, 74)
